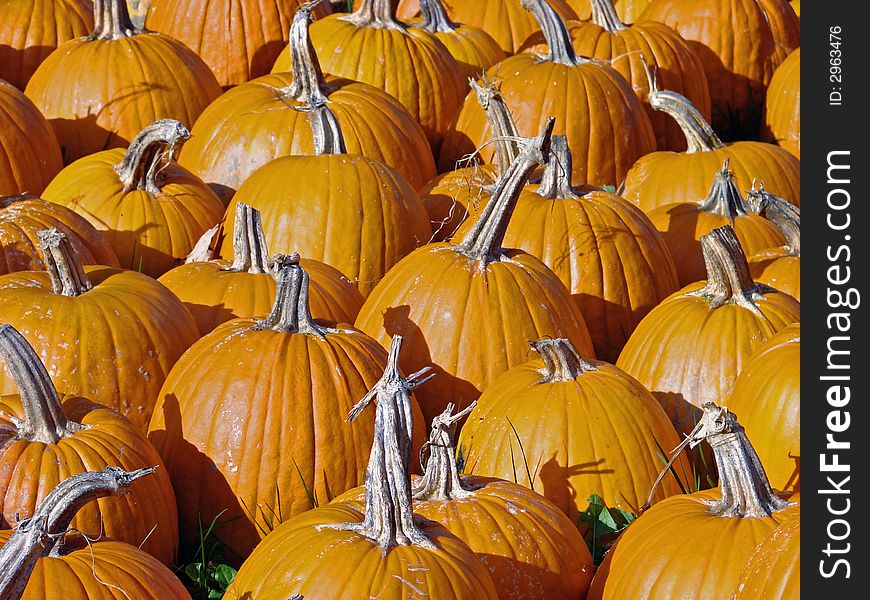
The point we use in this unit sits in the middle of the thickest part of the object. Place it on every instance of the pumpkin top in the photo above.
(435, 19)
(504, 130)
(779, 211)
(605, 16)
(112, 21)
(328, 138)
(724, 197)
(441, 480)
(250, 252)
(560, 47)
(556, 180)
(309, 87)
(148, 155)
(62, 264)
(43, 533)
(562, 362)
(379, 14)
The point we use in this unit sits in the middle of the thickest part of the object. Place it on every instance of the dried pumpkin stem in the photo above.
(149, 154)
(42, 533)
(328, 138)
(250, 253)
(605, 16)
(560, 47)
(441, 480)
(504, 130)
(389, 517)
(291, 312)
(63, 264)
(309, 86)
(435, 19)
(483, 241)
(562, 362)
(728, 277)
(724, 197)
(375, 13)
(556, 181)
(112, 20)
(779, 211)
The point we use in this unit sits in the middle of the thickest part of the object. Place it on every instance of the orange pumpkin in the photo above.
(39, 562)
(618, 454)
(665, 177)
(31, 29)
(216, 291)
(682, 224)
(629, 11)
(779, 267)
(22, 217)
(338, 552)
(604, 120)
(238, 39)
(29, 151)
(313, 375)
(42, 442)
(350, 212)
(469, 309)
(151, 210)
(782, 109)
(99, 91)
(796, 5)
(263, 119)
(102, 333)
(774, 569)
(740, 43)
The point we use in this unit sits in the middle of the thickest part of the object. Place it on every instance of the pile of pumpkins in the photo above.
(382, 295)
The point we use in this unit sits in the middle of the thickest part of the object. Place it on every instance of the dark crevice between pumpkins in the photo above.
(149, 154)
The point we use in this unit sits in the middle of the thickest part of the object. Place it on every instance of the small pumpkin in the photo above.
(778, 267)
(99, 91)
(151, 210)
(782, 108)
(774, 569)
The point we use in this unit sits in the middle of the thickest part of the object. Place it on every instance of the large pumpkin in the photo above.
(351, 212)
(778, 267)
(740, 43)
(782, 108)
(22, 217)
(42, 442)
(469, 309)
(629, 11)
(103, 333)
(151, 210)
(263, 119)
(605, 433)
(337, 551)
(238, 39)
(41, 560)
(99, 91)
(604, 120)
(774, 569)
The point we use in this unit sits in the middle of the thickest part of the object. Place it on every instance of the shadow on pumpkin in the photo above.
(557, 486)
(17, 65)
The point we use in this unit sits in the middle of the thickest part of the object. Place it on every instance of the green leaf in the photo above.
(224, 575)
(610, 189)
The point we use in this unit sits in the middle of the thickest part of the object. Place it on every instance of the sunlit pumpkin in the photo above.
(782, 108)
(774, 569)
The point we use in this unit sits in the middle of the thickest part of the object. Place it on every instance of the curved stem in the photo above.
(441, 481)
(389, 516)
(560, 47)
(250, 252)
(435, 19)
(375, 13)
(112, 20)
(149, 154)
(309, 86)
(724, 197)
(605, 16)
(37, 536)
(483, 241)
(62, 264)
(779, 211)
(328, 138)
(505, 136)
(700, 137)
(562, 362)
(556, 181)
(291, 312)
(728, 277)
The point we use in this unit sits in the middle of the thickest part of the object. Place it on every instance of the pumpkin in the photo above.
(605, 121)
(336, 551)
(664, 177)
(740, 43)
(22, 217)
(261, 378)
(682, 224)
(606, 433)
(604, 249)
(42, 442)
(774, 569)
(767, 397)
(39, 562)
(405, 10)
(31, 29)
(99, 91)
(263, 119)
(351, 212)
(29, 151)
(216, 291)
(690, 348)
(782, 108)
(469, 308)
(730, 521)
(796, 5)
(103, 333)
(420, 73)
(151, 210)
(607, 38)
(238, 39)
(629, 11)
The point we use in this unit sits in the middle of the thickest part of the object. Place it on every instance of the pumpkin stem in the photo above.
(728, 277)
(441, 479)
(149, 154)
(250, 254)
(44, 419)
(562, 362)
(43, 533)
(504, 130)
(328, 138)
(605, 16)
(560, 47)
(309, 86)
(375, 13)
(63, 264)
(112, 21)
(435, 19)
(724, 197)
(389, 517)
(556, 180)
(779, 211)
(483, 241)
(700, 137)
(291, 312)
